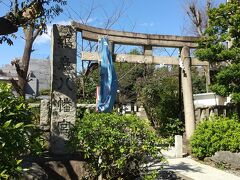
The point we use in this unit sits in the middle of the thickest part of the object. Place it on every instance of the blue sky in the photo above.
(146, 16)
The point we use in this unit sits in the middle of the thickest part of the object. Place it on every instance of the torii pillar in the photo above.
(187, 93)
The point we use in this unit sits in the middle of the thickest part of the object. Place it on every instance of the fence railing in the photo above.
(201, 112)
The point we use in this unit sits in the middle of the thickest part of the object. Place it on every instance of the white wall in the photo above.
(209, 99)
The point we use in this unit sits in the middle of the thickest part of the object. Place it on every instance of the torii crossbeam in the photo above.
(140, 39)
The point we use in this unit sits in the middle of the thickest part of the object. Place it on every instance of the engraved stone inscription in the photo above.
(63, 76)
(64, 126)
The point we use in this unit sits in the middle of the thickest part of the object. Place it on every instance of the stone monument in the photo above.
(63, 91)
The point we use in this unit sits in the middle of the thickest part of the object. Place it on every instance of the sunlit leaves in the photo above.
(17, 135)
(123, 143)
(216, 134)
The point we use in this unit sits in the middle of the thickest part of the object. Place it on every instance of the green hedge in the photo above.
(18, 136)
(216, 134)
(123, 143)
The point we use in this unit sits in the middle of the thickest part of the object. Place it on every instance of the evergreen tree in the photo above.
(221, 45)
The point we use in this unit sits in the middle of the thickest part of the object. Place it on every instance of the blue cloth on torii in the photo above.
(108, 82)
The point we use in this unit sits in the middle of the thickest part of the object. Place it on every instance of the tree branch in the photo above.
(36, 33)
(16, 86)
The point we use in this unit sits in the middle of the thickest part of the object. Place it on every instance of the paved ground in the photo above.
(195, 170)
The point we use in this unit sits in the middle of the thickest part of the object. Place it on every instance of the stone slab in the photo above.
(63, 89)
(227, 157)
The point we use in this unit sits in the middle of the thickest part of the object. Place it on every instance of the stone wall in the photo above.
(205, 112)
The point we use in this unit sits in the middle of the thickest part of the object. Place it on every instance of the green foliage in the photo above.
(123, 143)
(33, 100)
(160, 97)
(18, 136)
(227, 82)
(198, 81)
(87, 84)
(223, 27)
(45, 92)
(5, 39)
(32, 13)
(35, 115)
(216, 134)
(128, 74)
(45, 12)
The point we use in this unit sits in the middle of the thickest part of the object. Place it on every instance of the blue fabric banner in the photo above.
(108, 82)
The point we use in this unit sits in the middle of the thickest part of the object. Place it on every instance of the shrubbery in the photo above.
(18, 136)
(160, 98)
(45, 92)
(216, 134)
(115, 146)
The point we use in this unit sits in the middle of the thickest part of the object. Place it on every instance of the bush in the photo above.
(216, 134)
(123, 144)
(18, 136)
(160, 98)
(45, 92)
(171, 127)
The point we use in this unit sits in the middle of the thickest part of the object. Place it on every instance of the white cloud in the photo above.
(151, 24)
(46, 37)
(89, 20)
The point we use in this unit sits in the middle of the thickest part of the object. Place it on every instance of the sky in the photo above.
(166, 17)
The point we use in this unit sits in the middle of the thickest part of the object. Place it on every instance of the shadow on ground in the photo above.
(55, 168)
(183, 166)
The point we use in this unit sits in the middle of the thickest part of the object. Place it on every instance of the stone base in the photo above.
(67, 168)
(232, 160)
(186, 145)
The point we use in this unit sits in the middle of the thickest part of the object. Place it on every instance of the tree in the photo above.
(198, 81)
(128, 74)
(32, 28)
(159, 95)
(86, 91)
(198, 15)
(12, 20)
(221, 44)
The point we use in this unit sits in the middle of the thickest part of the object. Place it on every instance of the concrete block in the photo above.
(178, 146)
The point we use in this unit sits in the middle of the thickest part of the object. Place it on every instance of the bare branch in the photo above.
(197, 13)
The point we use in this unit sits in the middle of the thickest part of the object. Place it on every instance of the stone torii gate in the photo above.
(63, 99)
(148, 41)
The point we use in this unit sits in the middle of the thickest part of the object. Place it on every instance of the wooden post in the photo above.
(187, 92)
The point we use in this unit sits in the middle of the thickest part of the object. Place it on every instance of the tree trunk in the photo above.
(22, 78)
(22, 67)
